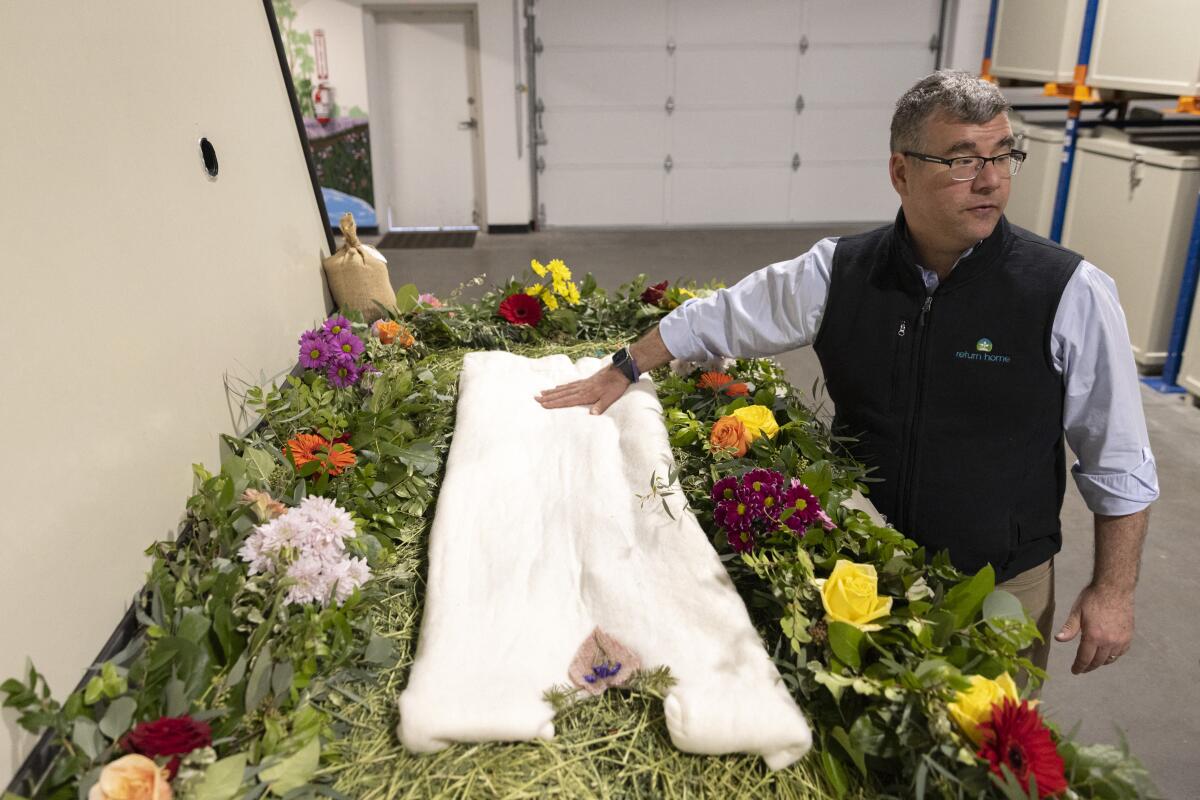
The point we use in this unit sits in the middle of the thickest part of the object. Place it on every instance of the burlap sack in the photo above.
(358, 275)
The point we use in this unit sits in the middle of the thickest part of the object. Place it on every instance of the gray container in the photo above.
(1189, 371)
(1031, 199)
(1147, 46)
(1037, 40)
(1130, 213)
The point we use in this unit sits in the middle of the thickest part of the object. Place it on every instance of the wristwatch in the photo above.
(623, 361)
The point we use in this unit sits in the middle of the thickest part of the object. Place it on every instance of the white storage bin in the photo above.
(1130, 213)
(1147, 46)
(1037, 40)
(1189, 371)
(1031, 198)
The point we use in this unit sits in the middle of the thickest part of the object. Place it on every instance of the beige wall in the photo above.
(507, 176)
(133, 285)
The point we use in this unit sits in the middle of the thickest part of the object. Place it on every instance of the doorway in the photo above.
(424, 93)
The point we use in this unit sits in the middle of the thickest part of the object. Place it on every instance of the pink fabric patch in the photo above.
(602, 662)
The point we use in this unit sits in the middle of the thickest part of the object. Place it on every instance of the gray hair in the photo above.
(958, 95)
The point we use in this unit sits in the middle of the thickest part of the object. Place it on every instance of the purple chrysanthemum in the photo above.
(725, 489)
(347, 344)
(337, 325)
(803, 505)
(315, 349)
(741, 541)
(342, 371)
(735, 515)
(760, 490)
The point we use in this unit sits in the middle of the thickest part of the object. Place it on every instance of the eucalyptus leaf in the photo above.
(380, 650)
(281, 678)
(86, 736)
(176, 695)
(194, 625)
(293, 771)
(223, 779)
(118, 717)
(1001, 605)
(260, 680)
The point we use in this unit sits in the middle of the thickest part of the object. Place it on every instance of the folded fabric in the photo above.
(541, 557)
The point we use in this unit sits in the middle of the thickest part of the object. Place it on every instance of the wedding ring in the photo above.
(1110, 659)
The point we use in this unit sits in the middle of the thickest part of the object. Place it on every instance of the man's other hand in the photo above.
(599, 391)
(1105, 618)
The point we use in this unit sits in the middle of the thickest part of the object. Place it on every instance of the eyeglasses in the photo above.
(966, 168)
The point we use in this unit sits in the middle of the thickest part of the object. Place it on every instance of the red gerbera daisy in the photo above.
(521, 309)
(1017, 738)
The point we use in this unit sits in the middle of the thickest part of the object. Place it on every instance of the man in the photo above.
(958, 349)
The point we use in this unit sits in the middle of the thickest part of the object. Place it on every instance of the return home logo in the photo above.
(983, 352)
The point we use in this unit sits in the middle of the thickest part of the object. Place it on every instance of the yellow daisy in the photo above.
(538, 268)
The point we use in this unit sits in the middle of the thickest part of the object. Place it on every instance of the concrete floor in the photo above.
(1151, 694)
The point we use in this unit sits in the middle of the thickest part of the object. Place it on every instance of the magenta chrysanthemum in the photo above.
(347, 344)
(725, 489)
(760, 490)
(734, 515)
(342, 371)
(803, 505)
(336, 325)
(741, 541)
(315, 350)
(757, 479)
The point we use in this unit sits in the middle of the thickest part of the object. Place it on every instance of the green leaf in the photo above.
(293, 771)
(420, 456)
(118, 717)
(835, 773)
(176, 696)
(222, 780)
(260, 680)
(259, 465)
(94, 691)
(407, 298)
(846, 641)
(1001, 605)
(380, 650)
(194, 625)
(818, 477)
(281, 678)
(852, 749)
(966, 599)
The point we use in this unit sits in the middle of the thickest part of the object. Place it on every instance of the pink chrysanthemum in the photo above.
(725, 489)
(734, 515)
(741, 541)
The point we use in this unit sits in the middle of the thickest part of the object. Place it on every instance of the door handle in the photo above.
(468, 125)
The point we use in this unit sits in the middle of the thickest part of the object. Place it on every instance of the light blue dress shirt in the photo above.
(780, 308)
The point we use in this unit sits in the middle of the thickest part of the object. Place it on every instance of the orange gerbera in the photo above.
(737, 390)
(334, 457)
(303, 448)
(714, 381)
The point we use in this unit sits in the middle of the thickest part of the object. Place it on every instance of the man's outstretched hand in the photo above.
(599, 391)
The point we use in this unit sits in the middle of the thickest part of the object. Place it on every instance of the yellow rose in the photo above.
(851, 594)
(132, 777)
(759, 421)
(973, 707)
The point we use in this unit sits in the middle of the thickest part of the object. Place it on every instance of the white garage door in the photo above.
(710, 112)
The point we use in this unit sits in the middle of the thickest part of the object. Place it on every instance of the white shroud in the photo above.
(539, 538)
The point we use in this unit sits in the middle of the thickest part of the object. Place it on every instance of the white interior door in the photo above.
(715, 112)
(427, 74)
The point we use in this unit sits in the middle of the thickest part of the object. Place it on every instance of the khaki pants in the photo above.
(1035, 589)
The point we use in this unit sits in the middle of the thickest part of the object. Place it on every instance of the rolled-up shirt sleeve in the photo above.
(1102, 403)
(777, 308)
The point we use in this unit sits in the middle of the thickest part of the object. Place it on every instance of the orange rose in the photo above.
(132, 777)
(387, 330)
(404, 338)
(728, 433)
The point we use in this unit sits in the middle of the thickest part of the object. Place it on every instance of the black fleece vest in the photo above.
(953, 397)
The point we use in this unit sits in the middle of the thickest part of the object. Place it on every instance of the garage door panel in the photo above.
(721, 136)
(753, 21)
(603, 196)
(604, 137)
(611, 22)
(840, 74)
(594, 78)
(841, 192)
(871, 20)
(738, 77)
(840, 134)
(746, 195)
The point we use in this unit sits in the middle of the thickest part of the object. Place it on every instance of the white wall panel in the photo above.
(736, 76)
(719, 136)
(604, 136)
(862, 74)
(732, 195)
(605, 195)
(844, 134)
(871, 21)
(585, 78)
(843, 192)
(602, 22)
(747, 21)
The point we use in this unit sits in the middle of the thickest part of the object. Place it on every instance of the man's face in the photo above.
(943, 213)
